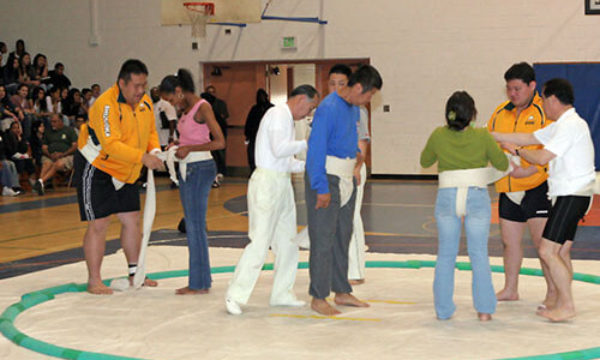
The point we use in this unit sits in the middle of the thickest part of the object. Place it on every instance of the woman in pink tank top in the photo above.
(196, 125)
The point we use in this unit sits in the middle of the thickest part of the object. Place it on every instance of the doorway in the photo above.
(237, 82)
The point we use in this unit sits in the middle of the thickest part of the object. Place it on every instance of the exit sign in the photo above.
(289, 42)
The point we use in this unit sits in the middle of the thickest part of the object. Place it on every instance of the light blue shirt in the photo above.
(334, 133)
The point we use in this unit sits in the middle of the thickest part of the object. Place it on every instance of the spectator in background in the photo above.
(59, 145)
(95, 94)
(3, 54)
(8, 113)
(253, 121)
(39, 104)
(86, 96)
(10, 74)
(35, 142)
(218, 155)
(24, 108)
(79, 120)
(17, 148)
(40, 67)
(27, 72)
(72, 105)
(58, 78)
(53, 103)
(18, 52)
(165, 117)
(64, 94)
(220, 108)
(9, 178)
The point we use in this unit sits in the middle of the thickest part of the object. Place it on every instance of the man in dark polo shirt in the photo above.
(59, 144)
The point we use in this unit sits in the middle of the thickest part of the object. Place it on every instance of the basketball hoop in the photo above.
(199, 13)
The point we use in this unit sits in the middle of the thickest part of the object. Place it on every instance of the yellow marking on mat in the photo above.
(395, 302)
(320, 317)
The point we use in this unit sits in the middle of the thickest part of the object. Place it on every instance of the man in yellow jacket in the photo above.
(523, 198)
(120, 137)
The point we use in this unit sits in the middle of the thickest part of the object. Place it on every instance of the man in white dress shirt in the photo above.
(569, 150)
(271, 205)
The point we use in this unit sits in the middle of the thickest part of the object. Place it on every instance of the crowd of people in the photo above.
(37, 106)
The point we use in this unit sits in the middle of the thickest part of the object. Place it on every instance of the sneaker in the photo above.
(219, 178)
(232, 307)
(6, 191)
(215, 184)
(39, 187)
(18, 190)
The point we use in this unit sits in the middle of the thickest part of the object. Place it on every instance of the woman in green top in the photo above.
(459, 146)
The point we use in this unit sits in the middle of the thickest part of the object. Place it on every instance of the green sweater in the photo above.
(467, 149)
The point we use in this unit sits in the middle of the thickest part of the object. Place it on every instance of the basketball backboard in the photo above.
(236, 11)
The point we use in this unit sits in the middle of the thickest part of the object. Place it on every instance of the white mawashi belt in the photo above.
(170, 158)
(148, 218)
(344, 169)
(463, 179)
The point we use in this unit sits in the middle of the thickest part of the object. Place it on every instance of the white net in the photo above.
(199, 14)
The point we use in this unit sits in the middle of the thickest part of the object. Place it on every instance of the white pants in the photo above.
(356, 250)
(271, 222)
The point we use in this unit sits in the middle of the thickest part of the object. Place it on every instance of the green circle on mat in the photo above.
(35, 298)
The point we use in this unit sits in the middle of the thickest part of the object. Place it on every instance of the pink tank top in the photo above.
(190, 132)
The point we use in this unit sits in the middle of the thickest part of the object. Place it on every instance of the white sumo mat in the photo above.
(156, 324)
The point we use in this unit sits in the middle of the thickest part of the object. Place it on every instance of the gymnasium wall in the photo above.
(424, 49)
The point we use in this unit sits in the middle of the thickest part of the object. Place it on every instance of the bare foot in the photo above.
(348, 300)
(559, 314)
(506, 295)
(550, 301)
(147, 282)
(484, 316)
(99, 289)
(356, 281)
(322, 307)
(150, 283)
(187, 291)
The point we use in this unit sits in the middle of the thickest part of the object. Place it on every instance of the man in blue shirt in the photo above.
(333, 161)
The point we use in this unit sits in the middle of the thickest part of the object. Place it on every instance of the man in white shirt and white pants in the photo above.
(569, 149)
(271, 205)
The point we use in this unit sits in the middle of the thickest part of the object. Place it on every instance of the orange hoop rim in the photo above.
(209, 7)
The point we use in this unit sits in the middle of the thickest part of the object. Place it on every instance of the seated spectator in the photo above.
(95, 94)
(17, 151)
(86, 96)
(27, 72)
(79, 120)
(10, 75)
(53, 103)
(72, 105)
(40, 106)
(59, 145)
(19, 50)
(58, 78)
(36, 141)
(3, 54)
(64, 94)
(24, 108)
(40, 66)
(9, 179)
(8, 114)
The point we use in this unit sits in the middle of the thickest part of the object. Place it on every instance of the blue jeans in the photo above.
(477, 227)
(194, 198)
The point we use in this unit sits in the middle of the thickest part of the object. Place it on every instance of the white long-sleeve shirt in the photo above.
(275, 142)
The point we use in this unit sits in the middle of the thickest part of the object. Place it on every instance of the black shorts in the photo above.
(564, 217)
(535, 204)
(97, 195)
